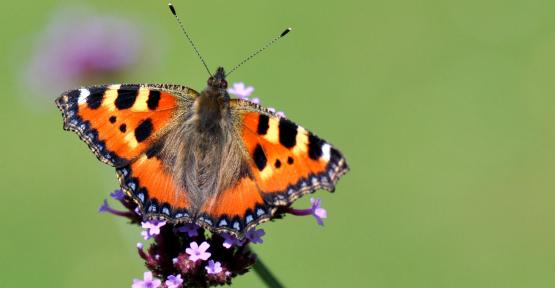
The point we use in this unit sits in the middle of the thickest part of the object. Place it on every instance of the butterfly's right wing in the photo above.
(284, 161)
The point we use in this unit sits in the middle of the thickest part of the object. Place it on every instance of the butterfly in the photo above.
(187, 157)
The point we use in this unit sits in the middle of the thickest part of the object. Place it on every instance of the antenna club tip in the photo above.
(285, 32)
(172, 8)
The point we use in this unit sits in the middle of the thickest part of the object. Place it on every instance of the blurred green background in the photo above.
(444, 109)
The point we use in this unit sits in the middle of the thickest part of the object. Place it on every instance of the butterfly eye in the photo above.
(223, 84)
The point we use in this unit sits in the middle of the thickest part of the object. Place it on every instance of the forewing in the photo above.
(119, 122)
(287, 161)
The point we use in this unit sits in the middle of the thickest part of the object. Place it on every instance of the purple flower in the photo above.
(105, 207)
(240, 90)
(213, 267)
(117, 195)
(318, 212)
(255, 236)
(315, 210)
(255, 100)
(147, 282)
(79, 46)
(152, 228)
(174, 281)
(197, 252)
(190, 228)
(230, 240)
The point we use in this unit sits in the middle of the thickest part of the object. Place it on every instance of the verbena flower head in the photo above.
(186, 255)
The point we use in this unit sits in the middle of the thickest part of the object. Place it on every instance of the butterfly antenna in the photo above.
(260, 50)
(188, 37)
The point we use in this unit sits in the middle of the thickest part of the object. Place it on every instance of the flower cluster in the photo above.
(186, 255)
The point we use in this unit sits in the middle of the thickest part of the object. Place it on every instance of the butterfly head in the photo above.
(218, 81)
(213, 102)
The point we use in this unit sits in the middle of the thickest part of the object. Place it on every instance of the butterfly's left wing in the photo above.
(122, 124)
(284, 161)
(120, 121)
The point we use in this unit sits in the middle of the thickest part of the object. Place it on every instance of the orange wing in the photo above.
(236, 209)
(286, 160)
(148, 181)
(121, 125)
(118, 122)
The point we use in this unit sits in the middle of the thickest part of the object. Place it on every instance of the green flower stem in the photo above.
(266, 275)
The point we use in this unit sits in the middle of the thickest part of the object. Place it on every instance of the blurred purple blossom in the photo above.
(147, 282)
(240, 90)
(79, 46)
(197, 252)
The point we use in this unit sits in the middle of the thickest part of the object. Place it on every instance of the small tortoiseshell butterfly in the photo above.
(183, 156)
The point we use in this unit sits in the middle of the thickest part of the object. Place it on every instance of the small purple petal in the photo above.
(280, 114)
(174, 281)
(152, 227)
(197, 252)
(240, 90)
(117, 195)
(190, 228)
(318, 212)
(272, 109)
(315, 210)
(255, 100)
(255, 236)
(213, 267)
(104, 207)
(140, 245)
(146, 235)
(148, 281)
(230, 240)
